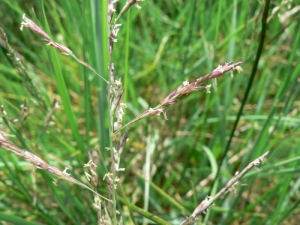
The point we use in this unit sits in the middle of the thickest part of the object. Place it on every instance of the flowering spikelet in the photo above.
(184, 89)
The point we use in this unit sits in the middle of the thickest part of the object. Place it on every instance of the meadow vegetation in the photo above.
(156, 112)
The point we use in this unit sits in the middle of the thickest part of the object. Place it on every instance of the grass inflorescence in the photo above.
(146, 136)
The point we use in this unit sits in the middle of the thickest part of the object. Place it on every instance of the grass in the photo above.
(171, 165)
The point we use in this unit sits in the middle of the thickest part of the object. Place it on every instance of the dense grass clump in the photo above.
(151, 115)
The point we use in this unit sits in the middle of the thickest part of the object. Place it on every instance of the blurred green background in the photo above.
(158, 47)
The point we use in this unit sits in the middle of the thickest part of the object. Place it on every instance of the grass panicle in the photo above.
(183, 90)
(57, 112)
(41, 164)
(230, 186)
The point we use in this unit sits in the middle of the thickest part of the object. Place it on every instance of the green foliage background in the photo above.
(158, 47)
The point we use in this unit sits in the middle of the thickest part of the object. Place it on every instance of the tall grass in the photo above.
(170, 165)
